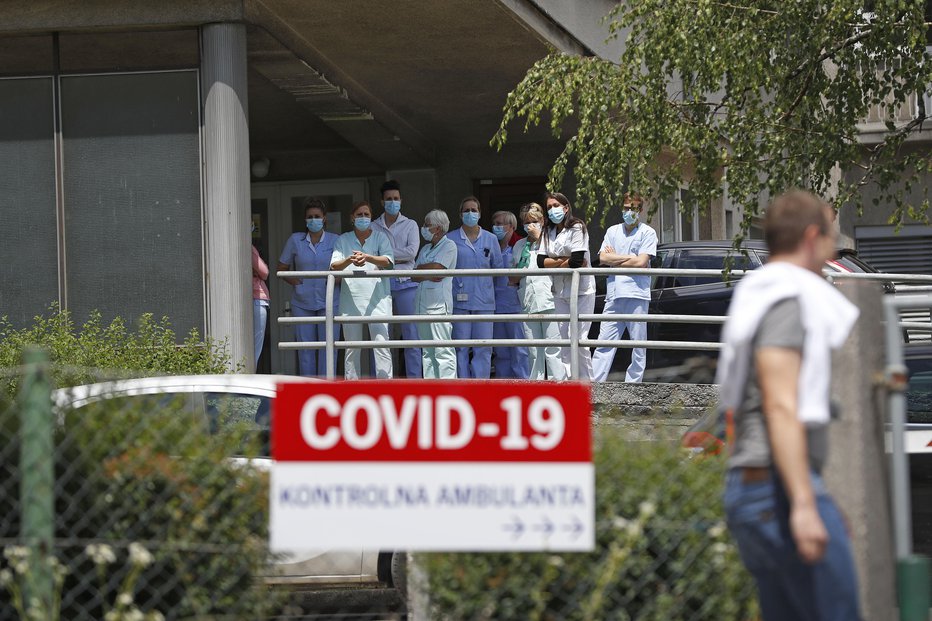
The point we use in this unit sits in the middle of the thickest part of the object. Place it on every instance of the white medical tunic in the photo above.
(364, 297)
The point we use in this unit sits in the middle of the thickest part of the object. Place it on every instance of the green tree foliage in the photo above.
(766, 94)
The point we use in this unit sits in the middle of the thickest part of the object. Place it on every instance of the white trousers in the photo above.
(545, 358)
(612, 331)
(383, 356)
(437, 362)
(586, 307)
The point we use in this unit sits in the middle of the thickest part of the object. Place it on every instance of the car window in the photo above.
(210, 411)
(708, 259)
(664, 258)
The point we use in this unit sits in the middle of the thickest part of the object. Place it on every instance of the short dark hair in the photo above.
(788, 217)
(312, 202)
(391, 184)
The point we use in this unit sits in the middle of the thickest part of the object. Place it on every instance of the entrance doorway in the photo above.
(278, 211)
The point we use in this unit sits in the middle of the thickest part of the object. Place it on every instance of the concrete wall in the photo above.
(651, 411)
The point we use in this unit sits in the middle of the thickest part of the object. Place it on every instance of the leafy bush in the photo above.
(662, 552)
(80, 353)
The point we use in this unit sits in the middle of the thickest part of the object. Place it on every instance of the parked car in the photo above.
(698, 295)
(249, 398)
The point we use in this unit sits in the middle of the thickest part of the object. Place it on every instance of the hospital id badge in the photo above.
(462, 297)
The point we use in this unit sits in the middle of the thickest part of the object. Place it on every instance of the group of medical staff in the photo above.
(554, 238)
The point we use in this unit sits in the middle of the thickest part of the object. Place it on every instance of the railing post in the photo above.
(330, 354)
(574, 326)
(36, 466)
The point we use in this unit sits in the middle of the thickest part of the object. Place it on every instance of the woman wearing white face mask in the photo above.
(310, 251)
(362, 250)
(536, 295)
(566, 244)
(435, 296)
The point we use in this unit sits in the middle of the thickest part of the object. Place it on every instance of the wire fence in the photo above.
(148, 500)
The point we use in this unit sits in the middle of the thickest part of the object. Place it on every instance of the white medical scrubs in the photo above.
(405, 237)
(563, 244)
(436, 298)
(625, 295)
(510, 362)
(536, 295)
(308, 299)
(365, 297)
(474, 295)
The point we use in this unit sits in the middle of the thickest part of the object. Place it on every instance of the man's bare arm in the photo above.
(778, 373)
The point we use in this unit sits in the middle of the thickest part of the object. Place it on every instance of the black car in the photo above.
(697, 295)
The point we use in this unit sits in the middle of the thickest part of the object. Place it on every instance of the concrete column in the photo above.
(226, 188)
(857, 472)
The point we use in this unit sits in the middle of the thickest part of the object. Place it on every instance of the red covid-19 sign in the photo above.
(431, 421)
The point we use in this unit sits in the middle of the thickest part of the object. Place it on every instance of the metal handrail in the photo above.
(575, 340)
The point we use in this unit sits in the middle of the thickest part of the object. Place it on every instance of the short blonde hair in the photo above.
(509, 217)
(534, 210)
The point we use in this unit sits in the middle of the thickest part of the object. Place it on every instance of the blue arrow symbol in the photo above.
(546, 526)
(517, 527)
(576, 528)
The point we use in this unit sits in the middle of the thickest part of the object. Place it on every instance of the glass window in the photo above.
(132, 185)
(29, 253)
(668, 220)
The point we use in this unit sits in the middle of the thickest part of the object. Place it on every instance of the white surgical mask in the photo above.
(426, 234)
(392, 207)
(532, 226)
(314, 225)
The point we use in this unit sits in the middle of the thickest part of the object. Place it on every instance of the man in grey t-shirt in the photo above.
(775, 371)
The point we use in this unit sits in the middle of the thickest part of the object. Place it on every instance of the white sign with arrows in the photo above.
(432, 466)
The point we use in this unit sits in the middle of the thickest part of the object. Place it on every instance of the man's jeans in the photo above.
(788, 588)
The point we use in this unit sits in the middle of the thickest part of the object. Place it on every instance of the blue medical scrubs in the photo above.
(474, 295)
(308, 299)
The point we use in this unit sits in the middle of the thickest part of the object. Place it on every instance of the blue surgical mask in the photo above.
(499, 231)
(556, 214)
(470, 218)
(630, 217)
(362, 224)
(314, 225)
(392, 208)
(533, 226)
(426, 234)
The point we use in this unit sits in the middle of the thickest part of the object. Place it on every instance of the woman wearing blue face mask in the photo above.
(435, 296)
(310, 251)
(474, 295)
(364, 249)
(566, 244)
(510, 362)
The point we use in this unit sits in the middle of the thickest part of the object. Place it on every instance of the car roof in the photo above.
(748, 244)
(259, 385)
